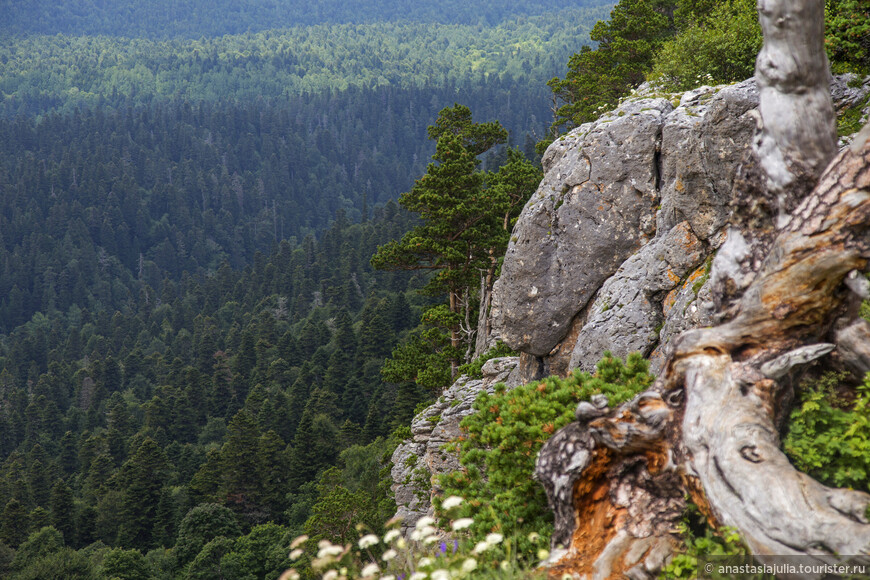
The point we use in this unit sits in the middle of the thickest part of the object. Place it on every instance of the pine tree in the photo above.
(143, 476)
(63, 511)
(14, 523)
(240, 475)
(458, 223)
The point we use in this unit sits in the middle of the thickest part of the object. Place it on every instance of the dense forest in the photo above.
(135, 195)
(43, 73)
(192, 331)
(196, 18)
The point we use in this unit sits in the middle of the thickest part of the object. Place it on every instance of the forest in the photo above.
(235, 260)
(198, 18)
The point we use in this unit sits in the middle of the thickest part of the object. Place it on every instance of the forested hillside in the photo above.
(100, 206)
(42, 73)
(242, 242)
(196, 18)
(191, 332)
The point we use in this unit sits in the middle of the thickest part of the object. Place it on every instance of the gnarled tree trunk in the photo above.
(710, 425)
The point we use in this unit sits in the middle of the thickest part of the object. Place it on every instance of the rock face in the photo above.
(594, 208)
(613, 252)
(630, 208)
(418, 462)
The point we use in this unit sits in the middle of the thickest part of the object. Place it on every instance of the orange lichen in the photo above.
(671, 298)
(596, 521)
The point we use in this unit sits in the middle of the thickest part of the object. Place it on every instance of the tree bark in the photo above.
(709, 427)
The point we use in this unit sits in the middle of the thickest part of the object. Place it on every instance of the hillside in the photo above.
(198, 18)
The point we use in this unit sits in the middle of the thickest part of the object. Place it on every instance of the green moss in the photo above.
(849, 122)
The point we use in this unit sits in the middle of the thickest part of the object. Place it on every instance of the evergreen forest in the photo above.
(243, 242)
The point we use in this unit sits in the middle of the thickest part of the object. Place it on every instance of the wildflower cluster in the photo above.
(429, 553)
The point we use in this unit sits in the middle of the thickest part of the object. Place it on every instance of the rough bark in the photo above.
(710, 425)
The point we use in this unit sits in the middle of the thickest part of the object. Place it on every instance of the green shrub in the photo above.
(502, 440)
(829, 436)
(719, 50)
(474, 369)
(701, 540)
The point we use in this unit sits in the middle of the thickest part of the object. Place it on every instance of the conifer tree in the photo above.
(144, 476)
(457, 222)
(63, 511)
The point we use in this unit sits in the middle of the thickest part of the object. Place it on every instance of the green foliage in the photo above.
(503, 437)
(38, 546)
(847, 35)
(201, 525)
(715, 48)
(125, 565)
(197, 18)
(65, 563)
(700, 540)
(598, 77)
(474, 369)
(829, 434)
(467, 216)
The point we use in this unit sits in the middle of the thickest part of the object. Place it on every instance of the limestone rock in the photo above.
(594, 208)
(627, 313)
(418, 461)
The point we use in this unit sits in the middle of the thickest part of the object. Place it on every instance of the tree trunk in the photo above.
(710, 425)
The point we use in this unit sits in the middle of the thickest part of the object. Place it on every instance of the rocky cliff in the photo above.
(612, 252)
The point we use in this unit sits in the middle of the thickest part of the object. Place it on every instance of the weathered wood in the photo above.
(710, 424)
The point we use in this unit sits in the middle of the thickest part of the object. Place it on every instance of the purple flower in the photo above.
(443, 548)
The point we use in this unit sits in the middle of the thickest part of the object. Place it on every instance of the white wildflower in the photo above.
(504, 565)
(424, 521)
(534, 537)
(389, 555)
(368, 541)
(494, 539)
(390, 536)
(401, 543)
(480, 548)
(298, 542)
(440, 574)
(417, 576)
(388, 577)
(469, 565)
(424, 562)
(461, 524)
(290, 574)
(370, 570)
(543, 554)
(451, 502)
(330, 575)
(294, 555)
(430, 539)
(329, 550)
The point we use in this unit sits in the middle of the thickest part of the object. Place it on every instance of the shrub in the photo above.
(719, 50)
(829, 436)
(502, 440)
